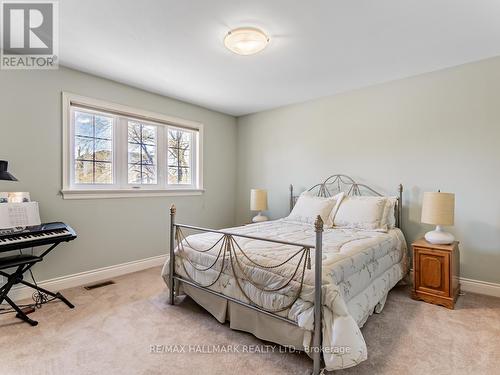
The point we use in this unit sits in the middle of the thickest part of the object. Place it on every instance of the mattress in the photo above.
(359, 268)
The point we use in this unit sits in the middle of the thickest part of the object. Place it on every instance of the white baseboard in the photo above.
(476, 286)
(480, 287)
(88, 277)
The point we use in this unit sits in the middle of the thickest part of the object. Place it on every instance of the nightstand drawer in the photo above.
(432, 271)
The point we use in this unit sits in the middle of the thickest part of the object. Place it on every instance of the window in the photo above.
(142, 161)
(113, 151)
(93, 148)
(180, 145)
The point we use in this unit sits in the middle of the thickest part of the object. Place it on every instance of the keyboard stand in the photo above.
(24, 262)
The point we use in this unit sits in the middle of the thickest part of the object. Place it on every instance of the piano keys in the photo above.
(44, 234)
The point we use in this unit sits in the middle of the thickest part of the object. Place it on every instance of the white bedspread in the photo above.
(359, 268)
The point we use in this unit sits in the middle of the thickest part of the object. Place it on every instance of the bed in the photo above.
(276, 279)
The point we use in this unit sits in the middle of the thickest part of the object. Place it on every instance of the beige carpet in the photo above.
(112, 329)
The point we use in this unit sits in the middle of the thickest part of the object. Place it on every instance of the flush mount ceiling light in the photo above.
(246, 41)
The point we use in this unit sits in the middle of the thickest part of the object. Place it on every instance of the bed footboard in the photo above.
(228, 251)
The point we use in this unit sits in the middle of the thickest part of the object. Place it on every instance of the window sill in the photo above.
(132, 193)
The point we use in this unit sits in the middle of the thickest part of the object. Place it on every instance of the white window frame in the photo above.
(120, 187)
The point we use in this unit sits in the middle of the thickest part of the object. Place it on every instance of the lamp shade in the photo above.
(258, 200)
(4, 175)
(438, 208)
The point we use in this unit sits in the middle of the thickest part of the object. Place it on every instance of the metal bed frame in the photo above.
(333, 184)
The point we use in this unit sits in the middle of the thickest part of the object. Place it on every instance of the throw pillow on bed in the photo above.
(365, 213)
(309, 206)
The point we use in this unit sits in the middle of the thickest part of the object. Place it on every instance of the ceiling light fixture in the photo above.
(246, 41)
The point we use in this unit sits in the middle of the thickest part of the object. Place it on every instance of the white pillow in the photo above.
(309, 206)
(389, 215)
(339, 198)
(361, 213)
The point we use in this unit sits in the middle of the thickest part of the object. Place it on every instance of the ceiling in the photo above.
(317, 48)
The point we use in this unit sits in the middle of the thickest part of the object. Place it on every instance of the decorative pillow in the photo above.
(309, 206)
(389, 215)
(339, 198)
(361, 213)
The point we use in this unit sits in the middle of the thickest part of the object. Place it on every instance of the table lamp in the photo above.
(438, 209)
(4, 175)
(258, 202)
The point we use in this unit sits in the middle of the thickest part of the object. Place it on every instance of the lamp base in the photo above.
(439, 237)
(259, 218)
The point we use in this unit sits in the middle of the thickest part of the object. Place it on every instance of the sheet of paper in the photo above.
(19, 215)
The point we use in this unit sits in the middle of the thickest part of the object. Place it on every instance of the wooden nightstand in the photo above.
(436, 270)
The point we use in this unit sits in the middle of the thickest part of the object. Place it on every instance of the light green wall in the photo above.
(435, 131)
(111, 231)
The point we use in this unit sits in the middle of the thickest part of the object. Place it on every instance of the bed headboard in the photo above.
(339, 182)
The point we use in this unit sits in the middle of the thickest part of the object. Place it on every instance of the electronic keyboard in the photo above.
(38, 235)
(23, 238)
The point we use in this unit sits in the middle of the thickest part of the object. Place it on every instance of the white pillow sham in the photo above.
(309, 206)
(389, 215)
(365, 213)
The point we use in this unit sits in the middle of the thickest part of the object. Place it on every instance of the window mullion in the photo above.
(121, 152)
